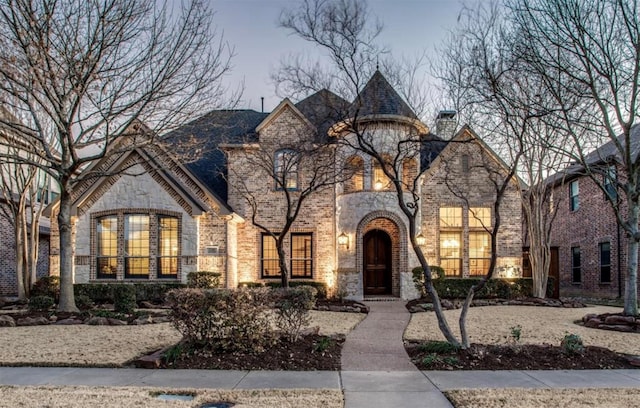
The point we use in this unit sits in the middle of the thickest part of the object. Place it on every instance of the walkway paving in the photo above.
(376, 372)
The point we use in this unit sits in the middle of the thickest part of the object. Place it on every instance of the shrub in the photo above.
(104, 292)
(438, 347)
(430, 359)
(41, 303)
(514, 335)
(437, 273)
(572, 344)
(223, 319)
(320, 287)
(292, 310)
(47, 286)
(124, 298)
(203, 280)
(322, 344)
(84, 302)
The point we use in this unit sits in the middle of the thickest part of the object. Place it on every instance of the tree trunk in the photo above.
(282, 262)
(67, 301)
(631, 284)
(20, 256)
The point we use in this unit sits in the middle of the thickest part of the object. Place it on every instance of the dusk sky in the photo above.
(251, 27)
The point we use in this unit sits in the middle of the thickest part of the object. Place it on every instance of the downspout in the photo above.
(619, 261)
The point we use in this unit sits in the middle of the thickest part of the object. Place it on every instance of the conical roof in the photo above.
(379, 98)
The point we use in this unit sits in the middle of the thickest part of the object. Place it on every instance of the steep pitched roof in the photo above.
(430, 148)
(323, 109)
(379, 98)
(210, 130)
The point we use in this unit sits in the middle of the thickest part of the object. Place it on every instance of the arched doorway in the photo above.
(377, 263)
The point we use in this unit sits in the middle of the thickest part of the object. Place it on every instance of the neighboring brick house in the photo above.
(173, 218)
(592, 248)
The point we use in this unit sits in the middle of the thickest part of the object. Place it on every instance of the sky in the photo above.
(411, 27)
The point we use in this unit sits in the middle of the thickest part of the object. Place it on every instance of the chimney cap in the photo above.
(446, 114)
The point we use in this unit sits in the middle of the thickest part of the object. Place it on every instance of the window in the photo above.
(574, 204)
(610, 184)
(107, 247)
(450, 217)
(286, 170)
(354, 167)
(167, 262)
(301, 255)
(605, 262)
(380, 179)
(269, 258)
(450, 255)
(576, 273)
(464, 159)
(479, 253)
(479, 217)
(136, 244)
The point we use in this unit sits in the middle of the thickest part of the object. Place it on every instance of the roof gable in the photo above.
(379, 98)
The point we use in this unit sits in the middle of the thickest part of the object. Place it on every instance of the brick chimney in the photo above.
(446, 124)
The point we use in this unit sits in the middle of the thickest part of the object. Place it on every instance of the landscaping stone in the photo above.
(97, 321)
(593, 323)
(617, 319)
(143, 320)
(116, 322)
(32, 321)
(616, 327)
(7, 321)
(150, 361)
(588, 317)
(69, 321)
(161, 319)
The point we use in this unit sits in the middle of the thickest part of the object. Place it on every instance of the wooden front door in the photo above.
(377, 263)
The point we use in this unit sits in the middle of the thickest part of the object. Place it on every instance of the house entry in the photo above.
(377, 263)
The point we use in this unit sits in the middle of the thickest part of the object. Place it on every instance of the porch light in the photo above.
(420, 239)
(378, 184)
(343, 240)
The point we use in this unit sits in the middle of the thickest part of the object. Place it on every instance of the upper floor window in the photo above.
(605, 262)
(610, 181)
(450, 217)
(286, 169)
(354, 171)
(574, 190)
(479, 217)
(464, 163)
(380, 179)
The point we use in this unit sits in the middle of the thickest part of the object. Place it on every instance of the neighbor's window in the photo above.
(136, 244)
(301, 255)
(107, 247)
(286, 169)
(354, 167)
(576, 272)
(450, 253)
(605, 262)
(479, 253)
(574, 204)
(269, 258)
(167, 261)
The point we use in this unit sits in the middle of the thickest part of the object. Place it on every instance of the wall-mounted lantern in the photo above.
(378, 185)
(420, 239)
(343, 240)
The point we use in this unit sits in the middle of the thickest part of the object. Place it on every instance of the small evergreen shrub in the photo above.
(203, 280)
(292, 310)
(84, 302)
(47, 286)
(41, 303)
(438, 347)
(572, 344)
(224, 320)
(124, 298)
(320, 287)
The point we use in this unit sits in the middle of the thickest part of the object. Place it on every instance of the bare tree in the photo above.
(297, 167)
(493, 88)
(587, 55)
(80, 74)
(25, 190)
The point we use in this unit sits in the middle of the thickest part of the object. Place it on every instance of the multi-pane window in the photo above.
(301, 255)
(107, 247)
(576, 271)
(354, 168)
(167, 261)
(380, 179)
(605, 262)
(464, 159)
(286, 170)
(574, 190)
(136, 244)
(450, 253)
(451, 217)
(479, 253)
(479, 217)
(269, 258)
(609, 183)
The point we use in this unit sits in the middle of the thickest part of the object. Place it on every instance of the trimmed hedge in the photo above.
(321, 287)
(457, 288)
(203, 280)
(47, 286)
(105, 292)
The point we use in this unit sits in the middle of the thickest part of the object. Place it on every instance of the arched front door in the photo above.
(377, 263)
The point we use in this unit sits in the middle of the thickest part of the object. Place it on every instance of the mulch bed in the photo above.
(303, 355)
(520, 357)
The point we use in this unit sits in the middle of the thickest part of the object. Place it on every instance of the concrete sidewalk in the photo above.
(361, 388)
